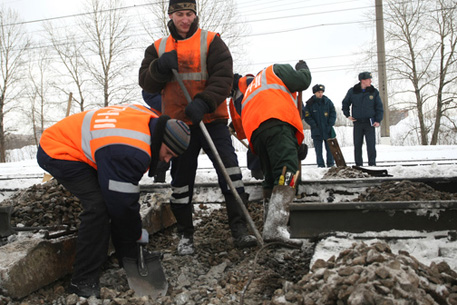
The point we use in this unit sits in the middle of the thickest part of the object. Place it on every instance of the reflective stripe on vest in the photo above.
(196, 76)
(192, 56)
(109, 123)
(268, 98)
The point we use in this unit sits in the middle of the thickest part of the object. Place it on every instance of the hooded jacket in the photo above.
(219, 68)
(365, 104)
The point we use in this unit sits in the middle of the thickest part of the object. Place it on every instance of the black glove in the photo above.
(302, 151)
(167, 61)
(301, 64)
(196, 109)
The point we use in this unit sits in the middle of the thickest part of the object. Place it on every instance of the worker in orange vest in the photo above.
(100, 156)
(273, 126)
(205, 65)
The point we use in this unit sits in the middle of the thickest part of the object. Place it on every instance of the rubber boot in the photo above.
(237, 222)
(275, 226)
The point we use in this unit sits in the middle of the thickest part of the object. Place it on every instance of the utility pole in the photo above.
(385, 126)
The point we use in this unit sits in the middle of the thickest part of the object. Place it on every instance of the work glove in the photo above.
(167, 61)
(302, 151)
(196, 110)
(301, 64)
(144, 239)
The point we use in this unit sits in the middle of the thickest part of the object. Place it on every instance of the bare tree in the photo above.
(37, 92)
(421, 33)
(444, 17)
(69, 49)
(13, 45)
(107, 44)
(217, 16)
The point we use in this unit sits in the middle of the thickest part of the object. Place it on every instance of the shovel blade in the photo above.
(153, 283)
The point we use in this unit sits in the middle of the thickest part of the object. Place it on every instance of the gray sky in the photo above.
(331, 35)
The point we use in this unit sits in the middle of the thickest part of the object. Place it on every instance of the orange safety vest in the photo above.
(192, 54)
(268, 98)
(79, 136)
(236, 118)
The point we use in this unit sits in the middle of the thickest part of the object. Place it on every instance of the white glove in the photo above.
(144, 239)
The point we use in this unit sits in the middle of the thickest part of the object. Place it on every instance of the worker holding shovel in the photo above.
(203, 64)
(273, 126)
(100, 156)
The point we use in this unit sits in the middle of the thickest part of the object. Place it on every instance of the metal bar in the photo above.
(310, 220)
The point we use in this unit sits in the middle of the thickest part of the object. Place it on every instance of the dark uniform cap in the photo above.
(318, 88)
(176, 136)
(365, 75)
(180, 5)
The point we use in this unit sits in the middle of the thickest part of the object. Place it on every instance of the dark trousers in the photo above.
(361, 130)
(319, 158)
(184, 169)
(94, 230)
(277, 147)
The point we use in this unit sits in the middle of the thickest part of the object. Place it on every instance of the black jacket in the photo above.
(365, 104)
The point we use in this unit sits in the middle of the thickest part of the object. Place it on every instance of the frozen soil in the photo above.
(219, 273)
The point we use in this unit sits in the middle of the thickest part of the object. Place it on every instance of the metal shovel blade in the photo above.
(145, 275)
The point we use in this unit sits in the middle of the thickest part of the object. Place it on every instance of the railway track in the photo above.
(380, 164)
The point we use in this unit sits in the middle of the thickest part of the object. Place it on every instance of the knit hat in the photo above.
(180, 5)
(318, 88)
(365, 75)
(176, 136)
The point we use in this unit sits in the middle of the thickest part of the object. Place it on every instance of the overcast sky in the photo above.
(331, 35)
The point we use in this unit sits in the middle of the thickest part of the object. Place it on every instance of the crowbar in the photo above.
(221, 165)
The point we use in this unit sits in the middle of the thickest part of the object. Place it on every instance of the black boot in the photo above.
(237, 222)
(183, 215)
(85, 289)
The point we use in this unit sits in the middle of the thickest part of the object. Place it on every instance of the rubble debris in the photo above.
(46, 204)
(372, 274)
(344, 172)
(404, 190)
(218, 272)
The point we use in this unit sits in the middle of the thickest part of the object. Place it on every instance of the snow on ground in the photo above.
(428, 247)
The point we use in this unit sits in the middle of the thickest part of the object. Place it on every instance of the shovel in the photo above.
(145, 275)
(6, 229)
(221, 165)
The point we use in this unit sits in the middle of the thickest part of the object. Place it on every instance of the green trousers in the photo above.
(276, 147)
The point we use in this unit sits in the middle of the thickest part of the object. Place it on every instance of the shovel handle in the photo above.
(142, 268)
(220, 164)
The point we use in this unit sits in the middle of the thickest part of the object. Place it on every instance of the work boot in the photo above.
(186, 245)
(237, 222)
(85, 289)
(275, 225)
(245, 241)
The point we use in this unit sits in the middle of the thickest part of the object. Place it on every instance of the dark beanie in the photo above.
(318, 88)
(365, 75)
(176, 136)
(180, 5)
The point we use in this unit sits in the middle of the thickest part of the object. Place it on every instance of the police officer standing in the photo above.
(363, 106)
(320, 115)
